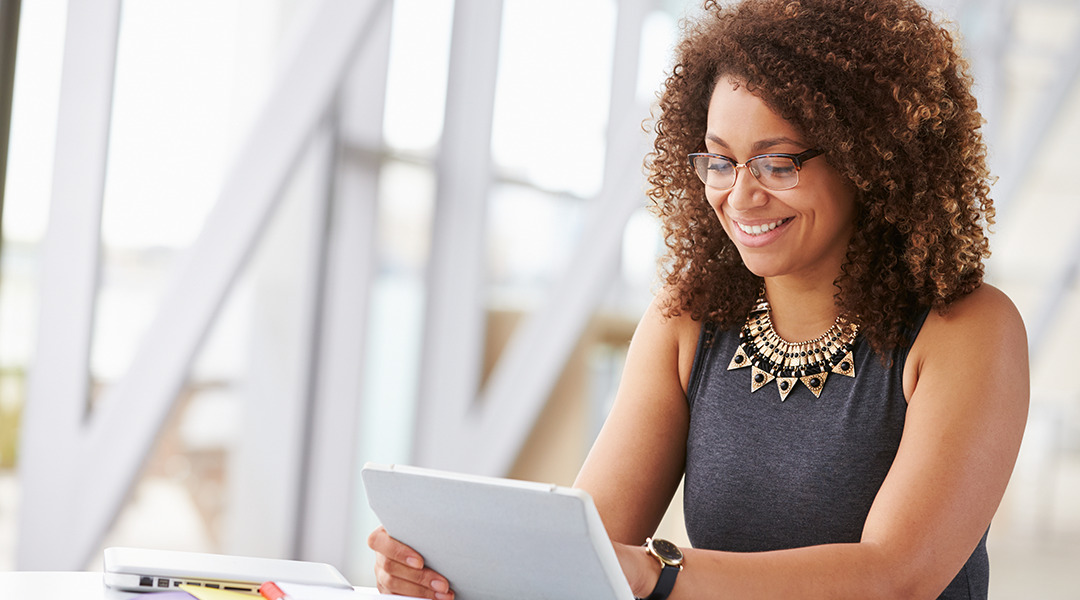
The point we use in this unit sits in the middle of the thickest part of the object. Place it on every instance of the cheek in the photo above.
(715, 199)
(842, 195)
(845, 214)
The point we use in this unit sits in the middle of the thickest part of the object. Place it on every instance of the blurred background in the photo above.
(249, 245)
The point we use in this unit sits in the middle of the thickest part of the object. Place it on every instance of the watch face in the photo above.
(666, 551)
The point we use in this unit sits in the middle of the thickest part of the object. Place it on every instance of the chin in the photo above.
(764, 273)
(760, 266)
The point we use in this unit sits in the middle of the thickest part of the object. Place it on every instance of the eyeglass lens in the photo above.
(774, 172)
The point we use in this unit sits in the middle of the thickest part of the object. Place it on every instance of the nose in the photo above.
(747, 192)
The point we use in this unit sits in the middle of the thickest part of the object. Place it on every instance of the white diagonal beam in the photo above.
(298, 101)
(123, 429)
(536, 355)
(276, 395)
(454, 320)
(331, 465)
(59, 380)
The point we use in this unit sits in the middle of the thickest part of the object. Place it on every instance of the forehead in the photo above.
(738, 117)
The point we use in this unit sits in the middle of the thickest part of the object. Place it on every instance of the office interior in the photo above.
(250, 245)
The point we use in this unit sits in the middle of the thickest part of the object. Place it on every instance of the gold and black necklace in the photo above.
(771, 357)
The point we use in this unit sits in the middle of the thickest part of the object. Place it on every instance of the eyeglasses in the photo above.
(775, 171)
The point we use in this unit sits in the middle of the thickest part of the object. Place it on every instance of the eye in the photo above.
(777, 167)
(720, 165)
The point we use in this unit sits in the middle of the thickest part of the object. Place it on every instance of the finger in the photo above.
(429, 585)
(395, 561)
(425, 578)
(391, 585)
(396, 570)
(381, 542)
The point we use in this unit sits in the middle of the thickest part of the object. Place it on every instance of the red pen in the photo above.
(271, 591)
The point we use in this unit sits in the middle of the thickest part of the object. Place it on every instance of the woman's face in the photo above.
(802, 232)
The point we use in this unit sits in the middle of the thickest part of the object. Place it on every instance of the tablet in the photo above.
(147, 570)
(498, 538)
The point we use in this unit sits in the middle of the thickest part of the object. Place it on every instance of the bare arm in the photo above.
(967, 385)
(637, 461)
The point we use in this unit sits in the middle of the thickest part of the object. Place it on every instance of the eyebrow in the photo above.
(760, 145)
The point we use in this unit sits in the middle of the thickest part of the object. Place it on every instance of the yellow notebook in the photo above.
(205, 593)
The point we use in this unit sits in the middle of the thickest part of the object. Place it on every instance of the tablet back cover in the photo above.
(496, 539)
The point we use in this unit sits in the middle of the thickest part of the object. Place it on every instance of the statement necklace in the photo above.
(771, 357)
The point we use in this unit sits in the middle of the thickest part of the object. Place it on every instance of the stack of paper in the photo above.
(283, 590)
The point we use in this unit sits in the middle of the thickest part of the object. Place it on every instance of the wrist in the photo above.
(642, 571)
(668, 558)
(649, 571)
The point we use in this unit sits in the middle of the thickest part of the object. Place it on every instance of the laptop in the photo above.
(148, 570)
(498, 538)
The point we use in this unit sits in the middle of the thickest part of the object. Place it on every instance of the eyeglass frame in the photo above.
(797, 159)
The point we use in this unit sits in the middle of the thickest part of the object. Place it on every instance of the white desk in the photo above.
(54, 585)
(57, 585)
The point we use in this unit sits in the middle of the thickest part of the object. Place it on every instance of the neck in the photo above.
(801, 310)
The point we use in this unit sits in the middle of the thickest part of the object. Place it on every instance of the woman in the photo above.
(820, 175)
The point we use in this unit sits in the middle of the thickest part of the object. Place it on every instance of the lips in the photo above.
(762, 228)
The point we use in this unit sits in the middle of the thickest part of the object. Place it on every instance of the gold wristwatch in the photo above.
(671, 562)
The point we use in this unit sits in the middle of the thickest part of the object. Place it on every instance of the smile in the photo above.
(760, 229)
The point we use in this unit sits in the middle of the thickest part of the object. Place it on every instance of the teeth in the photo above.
(760, 229)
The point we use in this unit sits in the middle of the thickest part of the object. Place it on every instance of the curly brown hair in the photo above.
(882, 89)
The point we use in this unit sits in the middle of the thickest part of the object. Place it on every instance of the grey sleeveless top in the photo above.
(762, 474)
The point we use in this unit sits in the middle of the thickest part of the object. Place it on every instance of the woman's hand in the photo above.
(641, 570)
(400, 570)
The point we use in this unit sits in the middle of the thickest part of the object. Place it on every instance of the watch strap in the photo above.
(665, 584)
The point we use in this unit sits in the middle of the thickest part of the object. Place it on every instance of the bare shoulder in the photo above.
(985, 313)
(677, 333)
(677, 328)
(981, 334)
